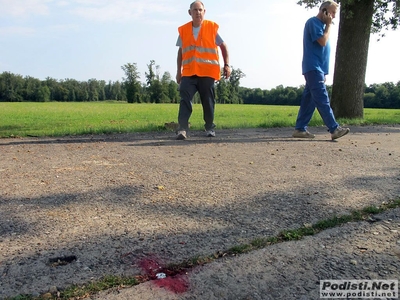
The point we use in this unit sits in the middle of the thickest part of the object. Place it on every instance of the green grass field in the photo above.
(21, 119)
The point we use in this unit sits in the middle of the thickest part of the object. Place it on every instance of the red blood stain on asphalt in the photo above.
(177, 284)
(150, 266)
(175, 281)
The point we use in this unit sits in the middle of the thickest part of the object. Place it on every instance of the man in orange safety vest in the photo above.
(198, 67)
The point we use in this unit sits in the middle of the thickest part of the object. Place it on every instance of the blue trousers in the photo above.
(188, 88)
(316, 96)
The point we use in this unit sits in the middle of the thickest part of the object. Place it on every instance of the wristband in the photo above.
(226, 65)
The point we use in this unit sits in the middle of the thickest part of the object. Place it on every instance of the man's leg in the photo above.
(188, 88)
(306, 110)
(206, 88)
(316, 81)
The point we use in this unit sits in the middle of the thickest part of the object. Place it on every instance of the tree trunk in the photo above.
(351, 58)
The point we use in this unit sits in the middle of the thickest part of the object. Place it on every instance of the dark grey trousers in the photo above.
(188, 88)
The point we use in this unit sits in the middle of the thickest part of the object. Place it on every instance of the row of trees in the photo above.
(162, 89)
(157, 89)
(16, 88)
(385, 95)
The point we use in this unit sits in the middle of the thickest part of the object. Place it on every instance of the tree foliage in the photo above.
(131, 82)
(227, 90)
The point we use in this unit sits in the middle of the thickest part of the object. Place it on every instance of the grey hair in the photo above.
(327, 4)
(191, 4)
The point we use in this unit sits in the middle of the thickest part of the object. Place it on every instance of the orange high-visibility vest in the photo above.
(200, 57)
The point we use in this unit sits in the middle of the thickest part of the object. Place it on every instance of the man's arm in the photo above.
(179, 66)
(327, 19)
(225, 56)
(323, 40)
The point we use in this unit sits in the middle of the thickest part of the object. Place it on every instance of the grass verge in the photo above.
(23, 119)
(84, 291)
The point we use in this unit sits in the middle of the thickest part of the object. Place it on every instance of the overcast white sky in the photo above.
(84, 39)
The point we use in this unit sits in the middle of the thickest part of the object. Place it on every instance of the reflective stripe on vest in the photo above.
(199, 49)
(200, 60)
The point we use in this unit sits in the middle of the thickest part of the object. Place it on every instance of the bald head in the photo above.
(194, 2)
(197, 12)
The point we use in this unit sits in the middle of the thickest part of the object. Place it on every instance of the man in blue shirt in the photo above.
(315, 66)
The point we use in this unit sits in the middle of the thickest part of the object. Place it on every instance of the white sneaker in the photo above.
(210, 133)
(181, 135)
(339, 132)
(303, 134)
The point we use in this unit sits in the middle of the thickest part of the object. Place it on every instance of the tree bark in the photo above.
(351, 58)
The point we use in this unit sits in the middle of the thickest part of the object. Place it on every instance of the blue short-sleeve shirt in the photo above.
(315, 57)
